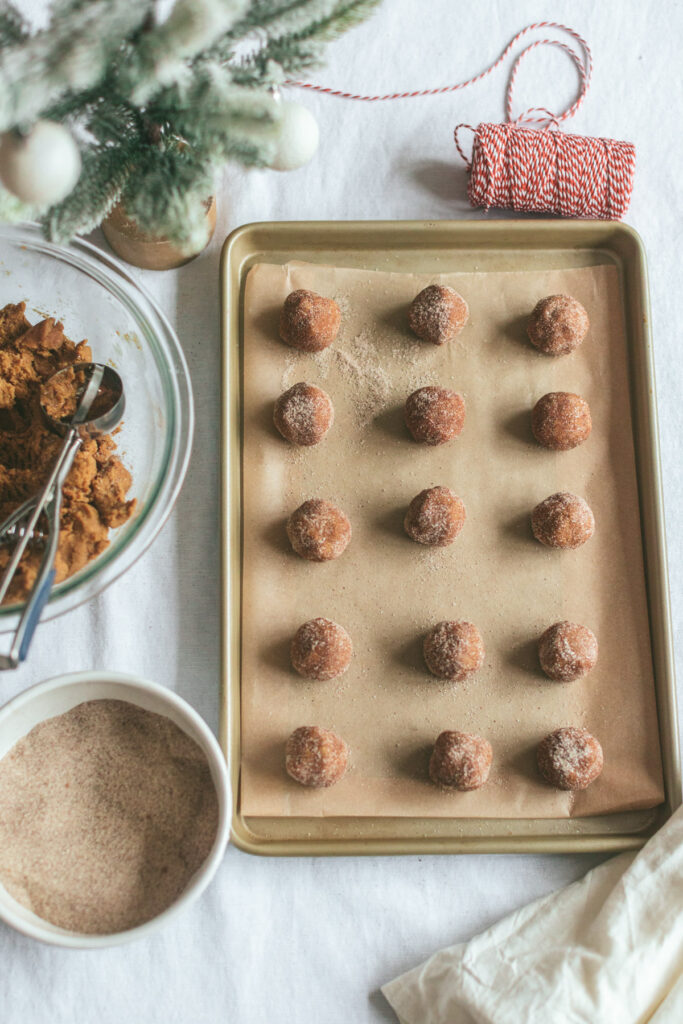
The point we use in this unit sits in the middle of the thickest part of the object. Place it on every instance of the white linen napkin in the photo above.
(608, 948)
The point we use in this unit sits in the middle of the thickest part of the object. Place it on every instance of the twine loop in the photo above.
(541, 169)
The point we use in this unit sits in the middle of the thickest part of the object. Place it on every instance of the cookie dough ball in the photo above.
(567, 651)
(454, 650)
(308, 321)
(563, 521)
(561, 420)
(460, 761)
(437, 314)
(434, 415)
(321, 649)
(558, 325)
(304, 414)
(315, 757)
(570, 758)
(318, 530)
(435, 517)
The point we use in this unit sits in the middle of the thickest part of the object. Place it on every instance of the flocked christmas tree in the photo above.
(113, 102)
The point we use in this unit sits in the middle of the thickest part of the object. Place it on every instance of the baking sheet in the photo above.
(387, 590)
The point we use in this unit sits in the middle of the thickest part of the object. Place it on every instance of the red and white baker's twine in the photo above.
(535, 169)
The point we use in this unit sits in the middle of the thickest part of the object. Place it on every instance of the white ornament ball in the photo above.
(298, 138)
(42, 167)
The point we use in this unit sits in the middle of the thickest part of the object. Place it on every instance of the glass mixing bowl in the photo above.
(96, 298)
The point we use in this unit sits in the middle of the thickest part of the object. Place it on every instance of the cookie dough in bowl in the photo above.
(97, 301)
(42, 375)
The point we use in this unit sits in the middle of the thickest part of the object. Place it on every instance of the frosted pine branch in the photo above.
(103, 177)
(157, 106)
(302, 49)
(71, 55)
(12, 210)
(13, 28)
(270, 19)
(161, 56)
(209, 87)
(166, 197)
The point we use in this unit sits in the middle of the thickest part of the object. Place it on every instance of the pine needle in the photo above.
(156, 106)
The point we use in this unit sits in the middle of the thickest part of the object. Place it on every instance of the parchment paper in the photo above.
(388, 591)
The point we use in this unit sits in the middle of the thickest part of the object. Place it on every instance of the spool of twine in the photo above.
(548, 171)
(536, 169)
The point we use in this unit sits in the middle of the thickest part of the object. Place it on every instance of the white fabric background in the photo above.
(311, 940)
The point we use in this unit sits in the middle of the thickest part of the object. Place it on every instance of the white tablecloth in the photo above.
(311, 940)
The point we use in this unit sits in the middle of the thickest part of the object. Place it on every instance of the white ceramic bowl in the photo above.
(56, 696)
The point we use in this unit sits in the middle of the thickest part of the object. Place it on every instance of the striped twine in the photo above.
(515, 166)
(547, 171)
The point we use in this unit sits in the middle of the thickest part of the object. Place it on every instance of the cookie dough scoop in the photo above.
(81, 401)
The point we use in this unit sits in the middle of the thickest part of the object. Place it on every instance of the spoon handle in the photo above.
(40, 592)
(50, 502)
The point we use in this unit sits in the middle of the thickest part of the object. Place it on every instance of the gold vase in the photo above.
(143, 249)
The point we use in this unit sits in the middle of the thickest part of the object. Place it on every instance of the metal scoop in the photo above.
(100, 404)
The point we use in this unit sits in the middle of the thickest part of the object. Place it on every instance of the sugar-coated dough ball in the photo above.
(460, 760)
(321, 649)
(570, 758)
(454, 650)
(308, 321)
(304, 414)
(316, 757)
(561, 420)
(435, 517)
(558, 325)
(318, 530)
(437, 314)
(563, 521)
(434, 415)
(567, 651)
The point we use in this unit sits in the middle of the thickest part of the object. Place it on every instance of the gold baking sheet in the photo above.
(387, 591)
(432, 247)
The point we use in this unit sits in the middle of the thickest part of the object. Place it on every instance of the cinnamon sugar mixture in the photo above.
(106, 812)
